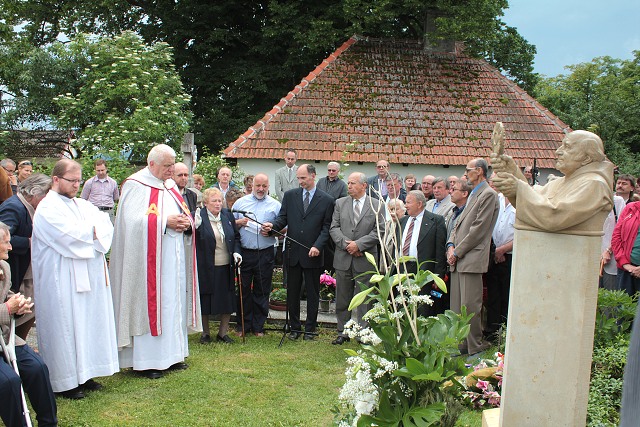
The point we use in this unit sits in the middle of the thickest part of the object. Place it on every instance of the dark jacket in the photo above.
(206, 246)
(16, 216)
(310, 228)
(432, 242)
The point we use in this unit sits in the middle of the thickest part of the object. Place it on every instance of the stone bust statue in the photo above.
(577, 203)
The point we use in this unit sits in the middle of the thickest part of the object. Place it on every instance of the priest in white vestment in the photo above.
(76, 327)
(155, 292)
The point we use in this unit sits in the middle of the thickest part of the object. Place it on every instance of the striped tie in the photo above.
(356, 212)
(305, 203)
(407, 240)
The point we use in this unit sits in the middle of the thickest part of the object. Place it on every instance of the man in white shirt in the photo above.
(424, 236)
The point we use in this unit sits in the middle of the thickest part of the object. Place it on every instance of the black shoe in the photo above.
(225, 339)
(74, 393)
(152, 374)
(180, 366)
(294, 335)
(205, 339)
(92, 385)
(340, 340)
(309, 337)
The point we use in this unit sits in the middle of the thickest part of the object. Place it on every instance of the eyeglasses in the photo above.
(10, 172)
(332, 170)
(25, 163)
(473, 168)
(182, 174)
(73, 181)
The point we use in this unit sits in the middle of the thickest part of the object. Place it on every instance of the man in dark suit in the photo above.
(17, 213)
(356, 228)
(181, 177)
(468, 250)
(306, 212)
(424, 236)
(376, 187)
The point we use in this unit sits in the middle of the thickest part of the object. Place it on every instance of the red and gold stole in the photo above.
(154, 222)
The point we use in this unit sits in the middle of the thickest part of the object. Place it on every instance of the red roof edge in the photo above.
(260, 124)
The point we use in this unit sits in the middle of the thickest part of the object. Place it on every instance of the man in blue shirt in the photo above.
(258, 253)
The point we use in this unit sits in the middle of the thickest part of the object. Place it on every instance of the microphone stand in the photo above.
(286, 328)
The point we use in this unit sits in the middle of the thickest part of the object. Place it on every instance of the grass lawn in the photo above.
(251, 384)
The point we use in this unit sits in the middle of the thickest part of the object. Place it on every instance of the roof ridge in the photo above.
(304, 83)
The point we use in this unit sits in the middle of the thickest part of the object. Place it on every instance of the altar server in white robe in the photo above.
(155, 292)
(76, 327)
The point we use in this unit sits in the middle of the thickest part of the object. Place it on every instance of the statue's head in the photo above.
(579, 148)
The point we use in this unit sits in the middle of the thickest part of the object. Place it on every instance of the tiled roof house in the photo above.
(38, 144)
(394, 99)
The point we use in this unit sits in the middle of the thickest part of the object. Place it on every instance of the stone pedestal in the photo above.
(491, 417)
(552, 305)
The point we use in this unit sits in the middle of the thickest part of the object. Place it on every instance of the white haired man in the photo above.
(155, 293)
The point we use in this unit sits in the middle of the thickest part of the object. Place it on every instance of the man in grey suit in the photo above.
(356, 227)
(306, 212)
(376, 187)
(468, 251)
(286, 176)
(425, 240)
(441, 203)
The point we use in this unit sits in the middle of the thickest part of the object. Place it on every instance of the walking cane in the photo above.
(10, 354)
(239, 281)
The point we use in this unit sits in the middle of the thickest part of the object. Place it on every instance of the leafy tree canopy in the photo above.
(237, 58)
(118, 95)
(602, 96)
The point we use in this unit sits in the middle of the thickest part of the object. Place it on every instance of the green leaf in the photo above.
(350, 352)
(371, 260)
(376, 278)
(440, 283)
(359, 298)
(423, 417)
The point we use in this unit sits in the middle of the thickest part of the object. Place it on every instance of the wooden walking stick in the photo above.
(239, 282)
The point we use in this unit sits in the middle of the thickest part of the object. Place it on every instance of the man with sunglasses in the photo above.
(332, 184)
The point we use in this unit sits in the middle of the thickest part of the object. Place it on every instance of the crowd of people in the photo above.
(178, 255)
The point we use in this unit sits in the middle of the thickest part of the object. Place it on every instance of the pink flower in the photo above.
(482, 385)
(327, 280)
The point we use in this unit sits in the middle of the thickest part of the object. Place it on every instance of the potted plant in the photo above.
(327, 291)
(278, 299)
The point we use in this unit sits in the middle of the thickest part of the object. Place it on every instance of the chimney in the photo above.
(431, 44)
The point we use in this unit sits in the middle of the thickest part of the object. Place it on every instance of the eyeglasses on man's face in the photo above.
(72, 181)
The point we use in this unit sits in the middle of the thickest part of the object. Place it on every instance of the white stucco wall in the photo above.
(269, 166)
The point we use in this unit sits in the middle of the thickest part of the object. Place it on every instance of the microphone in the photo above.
(241, 212)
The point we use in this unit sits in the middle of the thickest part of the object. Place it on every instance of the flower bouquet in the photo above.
(484, 385)
(327, 286)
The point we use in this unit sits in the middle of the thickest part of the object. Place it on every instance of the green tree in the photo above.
(238, 58)
(130, 97)
(602, 96)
